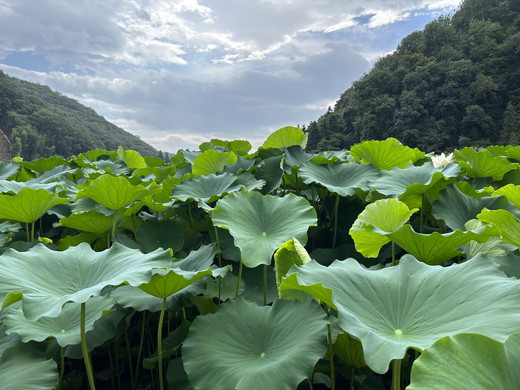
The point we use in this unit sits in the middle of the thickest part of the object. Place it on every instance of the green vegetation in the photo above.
(41, 123)
(379, 268)
(452, 85)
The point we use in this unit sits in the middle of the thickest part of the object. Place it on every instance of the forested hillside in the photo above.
(40, 122)
(454, 84)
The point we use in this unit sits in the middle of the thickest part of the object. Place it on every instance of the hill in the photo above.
(454, 84)
(40, 122)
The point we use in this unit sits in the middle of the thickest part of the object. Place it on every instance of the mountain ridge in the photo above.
(456, 83)
(40, 122)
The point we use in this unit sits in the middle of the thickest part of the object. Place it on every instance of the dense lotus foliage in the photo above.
(382, 267)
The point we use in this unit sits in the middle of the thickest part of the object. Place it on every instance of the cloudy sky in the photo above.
(178, 73)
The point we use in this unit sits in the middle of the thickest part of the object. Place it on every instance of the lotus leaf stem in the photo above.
(336, 206)
(129, 357)
(396, 374)
(141, 342)
(159, 344)
(219, 264)
(62, 368)
(84, 348)
(238, 280)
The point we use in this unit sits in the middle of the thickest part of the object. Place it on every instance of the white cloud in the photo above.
(181, 72)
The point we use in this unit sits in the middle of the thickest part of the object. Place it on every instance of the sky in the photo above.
(179, 73)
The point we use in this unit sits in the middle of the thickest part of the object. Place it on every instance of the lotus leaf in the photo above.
(160, 234)
(294, 156)
(289, 254)
(131, 158)
(65, 327)
(247, 347)
(165, 283)
(239, 147)
(385, 154)
(8, 169)
(90, 221)
(386, 215)
(48, 279)
(511, 192)
(134, 297)
(435, 248)
(412, 180)
(271, 172)
(505, 222)
(482, 164)
(114, 192)
(28, 204)
(468, 361)
(456, 208)
(15, 186)
(44, 164)
(212, 161)
(22, 369)
(412, 305)
(342, 179)
(285, 137)
(210, 188)
(260, 224)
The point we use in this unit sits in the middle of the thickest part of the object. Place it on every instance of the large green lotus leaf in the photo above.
(22, 369)
(260, 224)
(8, 169)
(183, 273)
(131, 158)
(247, 347)
(412, 180)
(65, 328)
(289, 254)
(85, 204)
(271, 172)
(48, 279)
(412, 305)
(493, 247)
(435, 248)
(15, 186)
(483, 164)
(385, 154)
(90, 221)
(160, 234)
(342, 179)
(349, 350)
(513, 152)
(505, 222)
(386, 215)
(511, 192)
(28, 204)
(468, 361)
(212, 187)
(254, 285)
(294, 156)
(114, 192)
(166, 282)
(59, 175)
(285, 137)
(44, 164)
(239, 147)
(456, 208)
(212, 161)
(197, 260)
(134, 297)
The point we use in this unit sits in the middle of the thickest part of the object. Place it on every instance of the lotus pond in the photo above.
(381, 267)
